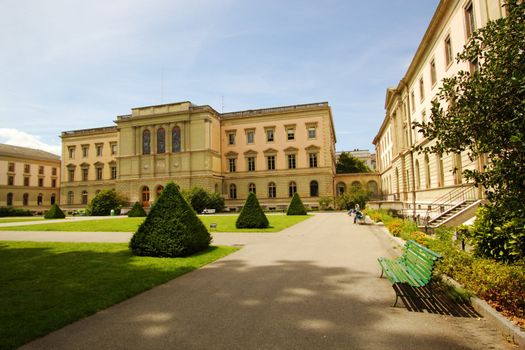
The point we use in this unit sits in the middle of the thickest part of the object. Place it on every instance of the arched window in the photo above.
(70, 197)
(251, 188)
(292, 188)
(53, 199)
(84, 197)
(233, 191)
(397, 181)
(10, 199)
(314, 188)
(40, 199)
(160, 188)
(272, 190)
(440, 173)
(418, 175)
(372, 186)
(175, 140)
(427, 172)
(25, 199)
(341, 188)
(161, 140)
(145, 196)
(146, 142)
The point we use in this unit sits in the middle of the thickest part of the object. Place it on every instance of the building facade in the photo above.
(412, 182)
(29, 178)
(273, 152)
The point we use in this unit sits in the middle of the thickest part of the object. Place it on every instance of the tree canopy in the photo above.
(346, 163)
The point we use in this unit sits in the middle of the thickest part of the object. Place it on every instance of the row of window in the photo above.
(99, 150)
(270, 134)
(25, 199)
(11, 181)
(272, 189)
(27, 169)
(270, 162)
(84, 173)
(161, 140)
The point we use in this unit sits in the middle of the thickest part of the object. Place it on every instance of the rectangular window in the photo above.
(85, 151)
(85, 174)
(231, 138)
(251, 163)
(53, 183)
(470, 24)
(11, 167)
(40, 170)
(10, 180)
(54, 171)
(313, 160)
(433, 72)
(26, 181)
(290, 134)
(271, 162)
(413, 100)
(269, 135)
(113, 149)
(99, 174)
(312, 133)
(291, 161)
(421, 90)
(448, 51)
(71, 175)
(232, 165)
(250, 136)
(424, 117)
(71, 151)
(99, 150)
(113, 172)
(27, 168)
(40, 182)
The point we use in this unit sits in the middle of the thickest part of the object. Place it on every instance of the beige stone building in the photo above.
(430, 185)
(273, 152)
(29, 178)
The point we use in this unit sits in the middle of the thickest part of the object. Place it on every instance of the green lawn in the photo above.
(225, 223)
(45, 286)
(29, 218)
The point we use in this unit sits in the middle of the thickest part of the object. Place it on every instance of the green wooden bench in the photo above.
(413, 268)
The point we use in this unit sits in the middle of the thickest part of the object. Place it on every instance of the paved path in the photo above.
(313, 286)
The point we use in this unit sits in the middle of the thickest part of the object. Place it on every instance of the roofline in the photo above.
(100, 130)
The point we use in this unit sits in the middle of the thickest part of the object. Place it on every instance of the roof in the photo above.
(29, 153)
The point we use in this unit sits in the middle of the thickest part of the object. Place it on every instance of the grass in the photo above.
(225, 223)
(46, 286)
(6, 220)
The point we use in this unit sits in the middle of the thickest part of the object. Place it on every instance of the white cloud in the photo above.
(20, 138)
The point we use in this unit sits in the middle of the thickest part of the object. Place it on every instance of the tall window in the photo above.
(71, 175)
(53, 199)
(271, 162)
(11, 180)
(54, 171)
(312, 132)
(252, 188)
(269, 135)
(341, 188)
(458, 169)
(448, 51)
(84, 197)
(40, 199)
(250, 136)
(312, 158)
(251, 163)
(11, 167)
(85, 151)
(27, 168)
(113, 148)
(175, 140)
(291, 161)
(25, 199)
(421, 89)
(99, 173)
(427, 172)
(233, 191)
(272, 190)
(160, 188)
(71, 152)
(314, 188)
(146, 142)
(53, 183)
(290, 134)
(418, 177)
(41, 182)
(231, 138)
(292, 188)
(41, 170)
(145, 196)
(440, 173)
(470, 24)
(232, 164)
(433, 72)
(99, 150)
(113, 172)
(84, 174)
(9, 199)
(161, 140)
(412, 101)
(70, 197)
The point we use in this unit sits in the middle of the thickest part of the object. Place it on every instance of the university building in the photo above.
(273, 152)
(419, 185)
(29, 178)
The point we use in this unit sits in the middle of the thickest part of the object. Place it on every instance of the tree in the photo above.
(252, 215)
(356, 195)
(296, 206)
(137, 211)
(486, 117)
(105, 201)
(171, 228)
(325, 203)
(346, 163)
(54, 212)
(200, 199)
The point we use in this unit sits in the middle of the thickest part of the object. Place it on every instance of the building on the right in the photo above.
(430, 187)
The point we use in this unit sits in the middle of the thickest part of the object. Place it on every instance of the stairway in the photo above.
(454, 212)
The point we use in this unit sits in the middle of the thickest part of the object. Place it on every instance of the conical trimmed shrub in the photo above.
(252, 215)
(171, 228)
(296, 206)
(137, 211)
(54, 213)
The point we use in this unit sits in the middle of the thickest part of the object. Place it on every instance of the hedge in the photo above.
(54, 213)
(296, 206)
(252, 215)
(137, 211)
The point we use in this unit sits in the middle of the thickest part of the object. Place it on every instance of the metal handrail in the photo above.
(451, 199)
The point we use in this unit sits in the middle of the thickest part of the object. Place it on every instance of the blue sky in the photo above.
(68, 65)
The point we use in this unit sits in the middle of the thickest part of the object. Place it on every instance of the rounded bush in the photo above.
(252, 215)
(171, 229)
(296, 206)
(137, 211)
(54, 213)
